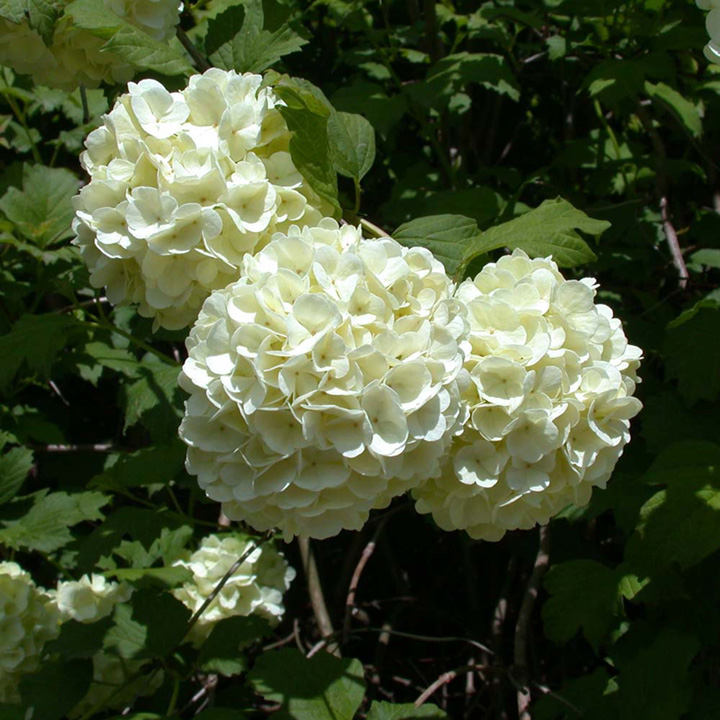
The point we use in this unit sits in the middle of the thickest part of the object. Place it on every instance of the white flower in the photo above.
(182, 186)
(75, 56)
(324, 382)
(89, 599)
(28, 619)
(549, 399)
(255, 588)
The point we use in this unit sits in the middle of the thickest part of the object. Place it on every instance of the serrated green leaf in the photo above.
(170, 576)
(34, 340)
(550, 229)
(128, 42)
(685, 111)
(236, 39)
(322, 687)
(55, 688)
(352, 144)
(583, 595)
(80, 640)
(13, 10)
(697, 372)
(222, 651)
(404, 711)
(14, 467)
(46, 526)
(42, 211)
(126, 637)
(164, 617)
(156, 464)
(306, 112)
(448, 237)
(154, 399)
(680, 525)
(42, 17)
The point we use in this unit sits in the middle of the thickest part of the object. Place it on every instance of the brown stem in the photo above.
(199, 59)
(317, 599)
(542, 560)
(673, 244)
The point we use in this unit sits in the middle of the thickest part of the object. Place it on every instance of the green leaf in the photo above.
(46, 526)
(697, 370)
(42, 211)
(352, 144)
(127, 636)
(128, 42)
(96, 356)
(406, 711)
(80, 640)
(457, 71)
(236, 39)
(14, 467)
(306, 112)
(220, 713)
(591, 697)
(164, 617)
(685, 111)
(55, 689)
(705, 258)
(34, 340)
(42, 16)
(222, 651)
(550, 229)
(170, 576)
(680, 525)
(446, 236)
(13, 10)
(322, 687)
(154, 399)
(156, 464)
(583, 595)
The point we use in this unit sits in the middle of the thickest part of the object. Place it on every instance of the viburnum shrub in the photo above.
(223, 340)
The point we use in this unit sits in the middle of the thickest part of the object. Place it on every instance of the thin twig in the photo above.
(199, 59)
(355, 581)
(317, 599)
(223, 580)
(425, 638)
(542, 560)
(85, 107)
(78, 447)
(444, 679)
(373, 228)
(672, 241)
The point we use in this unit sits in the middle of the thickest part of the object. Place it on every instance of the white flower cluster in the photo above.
(183, 184)
(28, 619)
(89, 599)
(255, 588)
(712, 23)
(552, 377)
(75, 56)
(324, 382)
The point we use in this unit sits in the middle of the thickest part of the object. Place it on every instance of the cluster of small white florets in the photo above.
(183, 184)
(89, 599)
(255, 588)
(75, 56)
(324, 382)
(549, 400)
(712, 23)
(28, 619)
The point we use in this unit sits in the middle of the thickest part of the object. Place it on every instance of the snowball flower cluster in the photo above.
(255, 588)
(551, 380)
(183, 184)
(712, 23)
(28, 619)
(323, 382)
(75, 56)
(89, 599)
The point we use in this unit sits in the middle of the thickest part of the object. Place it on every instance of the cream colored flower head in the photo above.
(89, 599)
(324, 382)
(28, 619)
(550, 399)
(255, 588)
(75, 56)
(712, 24)
(183, 184)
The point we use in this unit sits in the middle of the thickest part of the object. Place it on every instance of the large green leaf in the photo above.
(154, 399)
(692, 351)
(128, 42)
(54, 689)
(236, 39)
(46, 526)
(448, 237)
(15, 464)
(42, 210)
(352, 144)
(319, 688)
(158, 464)
(404, 711)
(13, 10)
(223, 653)
(34, 340)
(550, 229)
(685, 111)
(306, 112)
